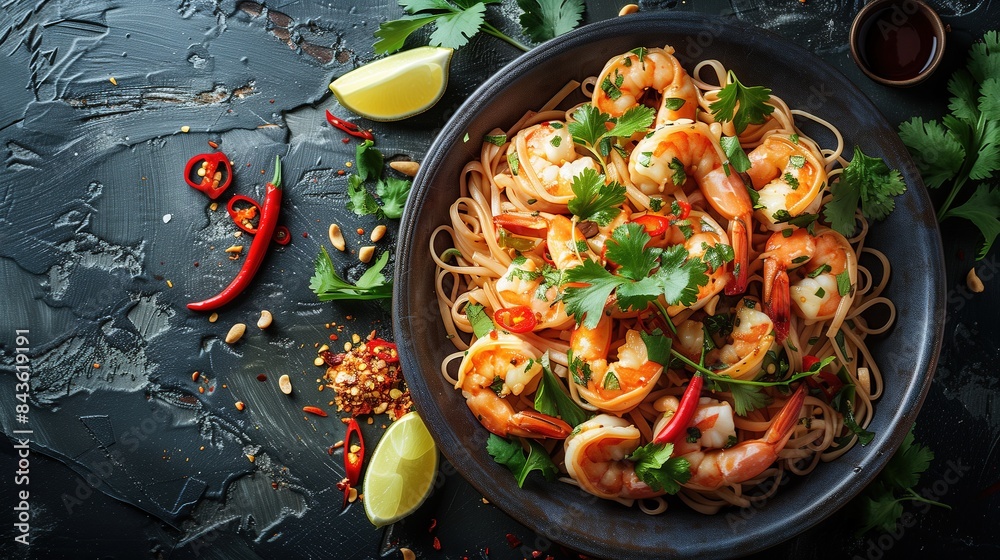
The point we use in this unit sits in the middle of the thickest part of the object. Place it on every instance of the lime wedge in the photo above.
(397, 86)
(401, 472)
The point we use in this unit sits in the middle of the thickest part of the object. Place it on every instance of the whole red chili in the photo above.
(383, 350)
(209, 173)
(255, 256)
(678, 423)
(352, 460)
(348, 127)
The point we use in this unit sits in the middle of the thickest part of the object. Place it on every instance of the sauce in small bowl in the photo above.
(897, 42)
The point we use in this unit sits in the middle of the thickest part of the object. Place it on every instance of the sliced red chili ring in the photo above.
(824, 380)
(242, 216)
(282, 236)
(353, 461)
(685, 209)
(209, 173)
(519, 224)
(517, 319)
(654, 224)
(383, 350)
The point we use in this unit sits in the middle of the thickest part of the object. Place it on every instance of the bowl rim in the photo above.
(870, 462)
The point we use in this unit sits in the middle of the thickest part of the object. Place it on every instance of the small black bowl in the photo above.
(898, 43)
(907, 354)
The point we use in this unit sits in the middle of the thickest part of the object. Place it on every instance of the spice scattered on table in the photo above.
(368, 377)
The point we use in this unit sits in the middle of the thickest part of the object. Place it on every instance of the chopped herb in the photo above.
(497, 385)
(742, 105)
(496, 139)
(820, 292)
(611, 381)
(796, 162)
(555, 141)
(737, 157)
(820, 270)
(674, 103)
(655, 466)
(655, 203)
(792, 181)
(595, 201)
(482, 324)
(844, 283)
(794, 138)
(679, 177)
(553, 399)
(511, 455)
(514, 162)
(645, 158)
(693, 434)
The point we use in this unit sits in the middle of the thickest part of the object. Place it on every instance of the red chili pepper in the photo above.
(824, 380)
(654, 224)
(685, 209)
(383, 350)
(348, 127)
(517, 319)
(518, 224)
(808, 361)
(677, 425)
(282, 236)
(352, 461)
(255, 256)
(242, 216)
(215, 162)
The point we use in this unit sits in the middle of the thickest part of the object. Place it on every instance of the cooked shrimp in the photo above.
(612, 387)
(528, 281)
(674, 152)
(788, 176)
(494, 368)
(547, 158)
(626, 78)
(725, 464)
(827, 274)
(596, 458)
(565, 242)
(699, 233)
(744, 352)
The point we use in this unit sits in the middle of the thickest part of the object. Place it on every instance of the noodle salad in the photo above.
(664, 289)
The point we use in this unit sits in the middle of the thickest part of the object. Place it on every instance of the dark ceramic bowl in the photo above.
(907, 354)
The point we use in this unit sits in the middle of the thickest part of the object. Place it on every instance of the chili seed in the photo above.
(114, 82)
(235, 249)
(380, 408)
(265, 319)
(323, 348)
(195, 376)
(318, 361)
(352, 495)
(201, 171)
(213, 206)
(236, 333)
(395, 394)
(314, 410)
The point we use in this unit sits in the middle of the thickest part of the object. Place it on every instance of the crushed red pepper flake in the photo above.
(366, 383)
(513, 541)
(437, 543)
(434, 524)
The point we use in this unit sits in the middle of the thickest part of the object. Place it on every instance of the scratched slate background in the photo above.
(129, 460)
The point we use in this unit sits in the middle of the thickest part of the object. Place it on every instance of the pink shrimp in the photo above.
(626, 78)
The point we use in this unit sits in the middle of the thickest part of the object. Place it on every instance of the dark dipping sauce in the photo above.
(898, 42)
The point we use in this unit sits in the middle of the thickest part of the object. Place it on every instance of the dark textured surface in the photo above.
(117, 467)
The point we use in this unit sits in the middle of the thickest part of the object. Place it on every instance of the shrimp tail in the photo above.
(739, 236)
(780, 431)
(529, 423)
(777, 300)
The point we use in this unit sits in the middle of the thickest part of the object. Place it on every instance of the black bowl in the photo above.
(907, 354)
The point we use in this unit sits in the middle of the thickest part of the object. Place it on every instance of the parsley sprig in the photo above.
(655, 467)
(594, 200)
(511, 455)
(457, 21)
(964, 145)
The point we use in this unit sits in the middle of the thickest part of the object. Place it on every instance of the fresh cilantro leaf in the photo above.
(627, 249)
(552, 398)
(455, 22)
(595, 201)
(738, 159)
(866, 179)
(368, 161)
(660, 471)
(580, 369)
(843, 282)
(588, 125)
(328, 285)
(455, 29)
(796, 161)
(637, 295)
(392, 34)
(983, 209)
(679, 276)
(657, 347)
(496, 139)
(636, 119)
(546, 19)
(747, 398)
(881, 510)
(586, 303)
(716, 256)
(674, 103)
(497, 385)
(482, 324)
(742, 105)
(938, 154)
(720, 324)
(538, 460)
(508, 453)
(393, 193)
(359, 199)
(905, 467)
(791, 180)
(679, 177)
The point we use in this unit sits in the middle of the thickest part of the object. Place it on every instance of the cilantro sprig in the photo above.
(881, 504)
(594, 200)
(741, 104)
(457, 21)
(643, 275)
(590, 128)
(655, 467)
(511, 455)
(392, 191)
(328, 285)
(868, 180)
(964, 146)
